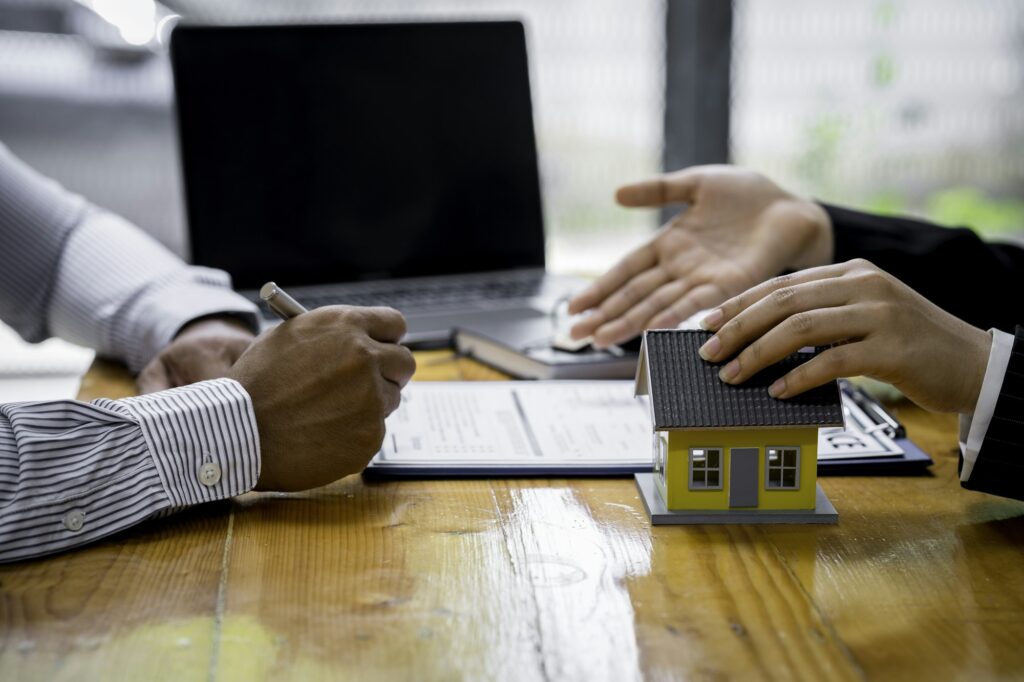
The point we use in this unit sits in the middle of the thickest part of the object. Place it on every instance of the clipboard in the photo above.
(866, 416)
(508, 429)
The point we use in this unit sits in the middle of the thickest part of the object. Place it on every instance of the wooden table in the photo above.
(531, 580)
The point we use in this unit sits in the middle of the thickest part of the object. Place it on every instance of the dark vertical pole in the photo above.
(698, 58)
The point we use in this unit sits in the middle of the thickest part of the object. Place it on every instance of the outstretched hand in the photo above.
(739, 230)
(882, 328)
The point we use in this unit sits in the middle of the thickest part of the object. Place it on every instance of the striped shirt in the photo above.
(72, 472)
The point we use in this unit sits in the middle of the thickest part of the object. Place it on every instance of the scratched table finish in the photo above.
(531, 580)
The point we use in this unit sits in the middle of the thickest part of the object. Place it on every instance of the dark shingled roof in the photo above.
(687, 393)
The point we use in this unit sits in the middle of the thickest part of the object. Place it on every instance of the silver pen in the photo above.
(280, 302)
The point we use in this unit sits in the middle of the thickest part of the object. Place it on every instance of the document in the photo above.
(51, 370)
(556, 428)
(563, 424)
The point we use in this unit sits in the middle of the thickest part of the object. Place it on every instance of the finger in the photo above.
(788, 306)
(672, 188)
(153, 377)
(699, 298)
(812, 328)
(383, 324)
(640, 316)
(391, 397)
(634, 263)
(397, 364)
(737, 304)
(841, 361)
(634, 292)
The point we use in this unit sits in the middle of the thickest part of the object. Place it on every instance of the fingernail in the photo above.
(712, 319)
(777, 389)
(729, 372)
(710, 349)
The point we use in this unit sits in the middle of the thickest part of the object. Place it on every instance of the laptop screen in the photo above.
(338, 153)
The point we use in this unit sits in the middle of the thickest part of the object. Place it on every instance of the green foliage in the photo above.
(887, 203)
(821, 144)
(883, 70)
(970, 207)
(885, 14)
(957, 207)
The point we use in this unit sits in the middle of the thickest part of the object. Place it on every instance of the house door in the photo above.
(743, 477)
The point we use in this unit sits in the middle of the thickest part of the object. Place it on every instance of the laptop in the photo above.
(368, 164)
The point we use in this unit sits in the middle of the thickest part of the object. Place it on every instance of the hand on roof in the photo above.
(739, 229)
(879, 326)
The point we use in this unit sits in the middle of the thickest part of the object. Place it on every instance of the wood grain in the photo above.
(531, 580)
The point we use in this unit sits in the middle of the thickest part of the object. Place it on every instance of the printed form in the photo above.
(506, 422)
(574, 426)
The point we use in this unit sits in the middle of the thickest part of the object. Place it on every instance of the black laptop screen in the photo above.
(317, 154)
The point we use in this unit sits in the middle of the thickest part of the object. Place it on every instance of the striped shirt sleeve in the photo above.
(121, 292)
(36, 217)
(72, 472)
(69, 269)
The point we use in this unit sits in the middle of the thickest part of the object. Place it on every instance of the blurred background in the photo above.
(910, 106)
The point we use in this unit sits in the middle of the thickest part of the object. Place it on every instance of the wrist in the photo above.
(219, 323)
(976, 359)
(819, 245)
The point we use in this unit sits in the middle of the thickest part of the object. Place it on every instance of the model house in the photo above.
(723, 452)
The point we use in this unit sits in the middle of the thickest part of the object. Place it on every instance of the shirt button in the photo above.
(74, 520)
(209, 474)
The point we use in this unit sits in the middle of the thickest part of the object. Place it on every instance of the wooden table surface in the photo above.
(531, 580)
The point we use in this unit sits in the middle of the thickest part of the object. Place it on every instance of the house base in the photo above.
(823, 511)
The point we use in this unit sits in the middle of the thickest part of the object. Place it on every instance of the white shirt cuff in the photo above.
(974, 426)
(203, 440)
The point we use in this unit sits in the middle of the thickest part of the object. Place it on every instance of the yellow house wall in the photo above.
(676, 488)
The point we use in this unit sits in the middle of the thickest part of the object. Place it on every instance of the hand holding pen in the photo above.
(321, 386)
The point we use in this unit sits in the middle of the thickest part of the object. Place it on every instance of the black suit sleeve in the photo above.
(975, 280)
(999, 468)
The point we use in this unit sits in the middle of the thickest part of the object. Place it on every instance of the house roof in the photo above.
(686, 392)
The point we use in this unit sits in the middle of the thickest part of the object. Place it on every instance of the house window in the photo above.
(705, 468)
(660, 454)
(783, 468)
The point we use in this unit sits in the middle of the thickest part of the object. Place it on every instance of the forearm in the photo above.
(953, 268)
(71, 473)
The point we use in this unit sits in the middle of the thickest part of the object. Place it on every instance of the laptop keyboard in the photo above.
(425, 296)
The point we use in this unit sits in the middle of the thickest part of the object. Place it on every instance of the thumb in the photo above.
(672, 188)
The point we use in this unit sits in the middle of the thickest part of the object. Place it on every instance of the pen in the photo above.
(890, 426)
(280, 302)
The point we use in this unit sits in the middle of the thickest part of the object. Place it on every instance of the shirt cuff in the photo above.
(203, 440)
(974, 426)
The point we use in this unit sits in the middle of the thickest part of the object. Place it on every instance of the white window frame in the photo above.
(703, 452)
(660, 447)
(780, 467)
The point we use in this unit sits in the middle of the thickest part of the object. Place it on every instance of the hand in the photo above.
(887, 331)
(321, 385)
(204, 349)
(739, 230)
